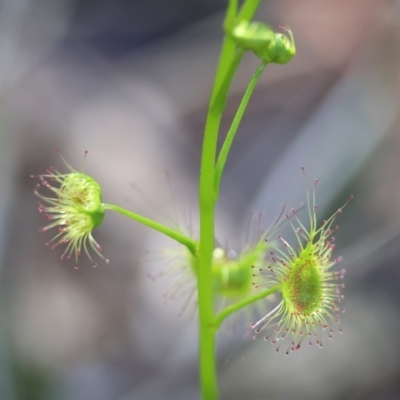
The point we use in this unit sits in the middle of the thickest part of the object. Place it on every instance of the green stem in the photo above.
(207, 201)
(208, 368)
(248, 10)
(225, 62)
(208, 376)
(242, 303)
(219, 102)
(172, 233)
(230, 13)
(207, 357)
(223, 155)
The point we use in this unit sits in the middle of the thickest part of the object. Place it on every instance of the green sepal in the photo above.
(254, 36)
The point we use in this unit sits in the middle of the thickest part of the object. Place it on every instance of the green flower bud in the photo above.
(258, 37)
(309, 288)
(76, 209)
(232, 273)
(282, 50)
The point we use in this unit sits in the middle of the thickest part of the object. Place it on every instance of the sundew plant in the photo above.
(302, 274)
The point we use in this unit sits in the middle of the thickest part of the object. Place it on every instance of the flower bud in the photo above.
(232, 273)
(269, 46)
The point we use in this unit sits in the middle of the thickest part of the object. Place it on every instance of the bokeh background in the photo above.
(129, 82)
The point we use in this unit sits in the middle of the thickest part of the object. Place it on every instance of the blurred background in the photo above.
(129, 82)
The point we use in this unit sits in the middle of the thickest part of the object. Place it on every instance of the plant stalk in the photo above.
(172, 233)
(207, 201)
(223, 155)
